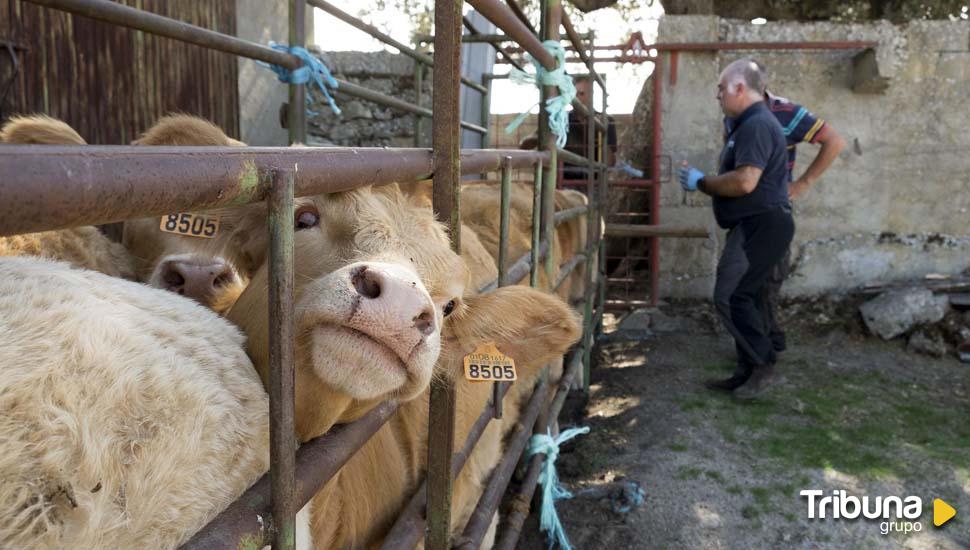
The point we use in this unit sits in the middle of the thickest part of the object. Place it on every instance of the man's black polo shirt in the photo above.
(757, 140)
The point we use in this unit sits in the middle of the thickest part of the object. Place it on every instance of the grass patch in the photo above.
(677, 447)
(750, 512)
(714, 476)
(851, 422)
(689, 472)
(734, 490)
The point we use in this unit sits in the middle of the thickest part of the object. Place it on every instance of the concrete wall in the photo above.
(895, 205)
(260, 93)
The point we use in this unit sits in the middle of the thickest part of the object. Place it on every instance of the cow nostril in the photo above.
(225, 278)
(366, 283)
(172, 277)
(424, 323)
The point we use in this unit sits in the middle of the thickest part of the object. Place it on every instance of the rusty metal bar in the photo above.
(503, 231)
(567, 268)
(564, 216)
(360, 92)
(550, 11)
(521, 15)
(536, 235)
(504, 18)
(418, 95)
(656, 141)
(498, 388)
(683, 231)
(520, 268)
(374, 32)
(481, 518)
(519, 508)
(281, 368)
(296, 117)
(409, 526)
(317, 461)
(52, 187)
(567, 25)
(713, 46)
(573, 158)
(119, 14)
(707, 46)
(446, 143)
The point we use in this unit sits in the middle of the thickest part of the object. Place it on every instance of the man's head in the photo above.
(584, 89)
(741, 85)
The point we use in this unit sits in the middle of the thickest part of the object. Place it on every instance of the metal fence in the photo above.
(46, 188)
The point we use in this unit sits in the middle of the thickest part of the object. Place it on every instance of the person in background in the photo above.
(576, 139)
(750, 200)
(799, 125)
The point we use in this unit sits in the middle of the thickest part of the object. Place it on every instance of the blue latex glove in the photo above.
(689, 176)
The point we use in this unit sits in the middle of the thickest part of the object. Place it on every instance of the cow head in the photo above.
(189, 263)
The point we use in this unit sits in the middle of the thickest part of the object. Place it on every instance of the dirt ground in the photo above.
(852, 413)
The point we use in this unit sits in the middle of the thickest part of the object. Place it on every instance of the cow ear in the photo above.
(529, 325)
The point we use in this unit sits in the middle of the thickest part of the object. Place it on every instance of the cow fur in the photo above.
(128, 417)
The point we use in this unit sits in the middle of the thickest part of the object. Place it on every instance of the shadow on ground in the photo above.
(852, 413)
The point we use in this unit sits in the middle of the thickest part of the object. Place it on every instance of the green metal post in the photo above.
(536, 224)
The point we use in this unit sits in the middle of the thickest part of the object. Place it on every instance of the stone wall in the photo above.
(363, 123)
(896, 203)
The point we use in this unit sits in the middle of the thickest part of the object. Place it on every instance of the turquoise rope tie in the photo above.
(555, 106)
(552, 490)
(313, 71)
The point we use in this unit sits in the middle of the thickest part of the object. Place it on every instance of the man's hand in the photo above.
(689, 176)
(798, 188)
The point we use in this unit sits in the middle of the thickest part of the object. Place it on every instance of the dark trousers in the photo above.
(752, 250)
(772, 296)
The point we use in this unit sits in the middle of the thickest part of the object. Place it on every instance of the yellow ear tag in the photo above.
(190, 225)
(488, 364)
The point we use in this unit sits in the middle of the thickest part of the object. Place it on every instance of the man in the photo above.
(576, 138)
(799, 125)
(750, 199)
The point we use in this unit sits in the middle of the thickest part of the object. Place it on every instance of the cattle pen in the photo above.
(55, 187)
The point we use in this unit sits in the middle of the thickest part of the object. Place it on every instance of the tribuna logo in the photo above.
(896, 513)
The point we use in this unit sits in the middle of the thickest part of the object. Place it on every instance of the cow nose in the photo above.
(198, 280)
(395, 293)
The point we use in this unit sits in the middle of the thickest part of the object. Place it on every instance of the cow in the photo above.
(382, 224)
(129, 417)
(183, 263)
(80, 246)
(359, 505)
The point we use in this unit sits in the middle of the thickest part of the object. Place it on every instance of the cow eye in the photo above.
(449, 307)
(306, 218)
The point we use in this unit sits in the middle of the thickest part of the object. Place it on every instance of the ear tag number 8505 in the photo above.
(488, 364)
(190, 225)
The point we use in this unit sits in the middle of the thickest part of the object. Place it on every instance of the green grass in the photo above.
(689, 472)
(852, 422)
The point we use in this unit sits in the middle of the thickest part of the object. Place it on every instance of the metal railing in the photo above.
(51, 187)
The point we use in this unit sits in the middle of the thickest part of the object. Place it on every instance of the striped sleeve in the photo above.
(804, 126)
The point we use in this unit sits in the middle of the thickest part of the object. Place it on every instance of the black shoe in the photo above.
(727, 384)
(762, 379)
(778, 343)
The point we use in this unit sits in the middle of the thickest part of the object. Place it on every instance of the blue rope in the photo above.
(630, 497)
(555, 106)
(312, 71)
(551, 488)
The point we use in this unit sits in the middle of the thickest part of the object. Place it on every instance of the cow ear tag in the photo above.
(488, 364)
(190, 225)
